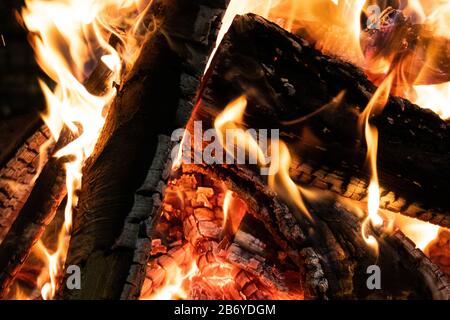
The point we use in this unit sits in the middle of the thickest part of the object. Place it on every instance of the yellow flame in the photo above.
(434, 97)
(174, 286)
(420, 232)
(282, 183)
(279, 180)
(226, 206)
(228, 126)
(65, 35)
(375, 106)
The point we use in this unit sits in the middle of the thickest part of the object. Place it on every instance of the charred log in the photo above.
(18, 175)
(163, 81)
(35, 215)
(285, 79)
(332, 254)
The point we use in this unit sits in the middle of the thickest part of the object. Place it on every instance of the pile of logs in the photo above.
(130, 233)
(229, 266)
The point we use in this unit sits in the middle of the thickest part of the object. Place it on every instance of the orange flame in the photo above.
(282, 183)
(65, 36)
(375, 106)
(175, 283)
(279, 179)
(226, 206)
(420, 232)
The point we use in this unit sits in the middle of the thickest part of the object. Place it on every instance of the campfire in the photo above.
(242, 150)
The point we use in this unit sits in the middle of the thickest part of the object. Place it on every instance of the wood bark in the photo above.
(285, 79)
(154, 97)
(18, 175)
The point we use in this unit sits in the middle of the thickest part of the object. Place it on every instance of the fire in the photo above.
(229, 121)
(66, 37)
(229, 126)
(282, 183)
(375, 106)
(226, 206)
(434, 97)
(175, 285)
(420, 232)
(68, 34)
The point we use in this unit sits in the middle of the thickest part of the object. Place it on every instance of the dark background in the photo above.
(20, 95)
(19, 90)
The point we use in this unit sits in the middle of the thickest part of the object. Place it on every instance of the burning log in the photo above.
(332, 252)
(329, 250)
(16, 178)
(35, 215)
(26, 221)
(288, 83)
(163, 80)
(134, 206)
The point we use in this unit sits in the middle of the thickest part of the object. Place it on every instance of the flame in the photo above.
(420, 232)
(174, 287)
(228, 125)
(282, 183)
(47, 280)
(419, 73)
(68, 37)
(375, 106)
(226, 206)
(434, 97)
(279, 179)
(332, 16)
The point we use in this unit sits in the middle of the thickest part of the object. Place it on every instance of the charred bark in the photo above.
(18, 175)
(34, 216)
(159, 88)
(285, 79)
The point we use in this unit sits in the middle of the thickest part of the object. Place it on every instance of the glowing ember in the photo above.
(201, 265)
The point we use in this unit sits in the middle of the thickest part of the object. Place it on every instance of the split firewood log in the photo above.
(155, 96)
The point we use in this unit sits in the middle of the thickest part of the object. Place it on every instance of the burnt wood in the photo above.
(155, 96)
(285, 79)
(329, 250)
(18, 175)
